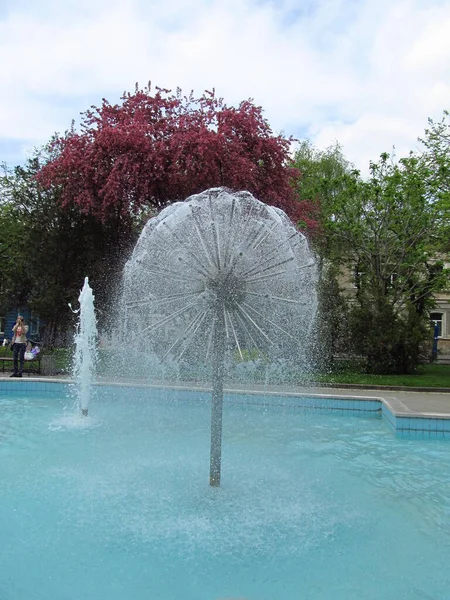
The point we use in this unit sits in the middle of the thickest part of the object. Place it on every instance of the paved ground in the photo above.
(400, 402)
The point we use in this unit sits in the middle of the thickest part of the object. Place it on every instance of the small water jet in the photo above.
(85, 356)
(217, 274)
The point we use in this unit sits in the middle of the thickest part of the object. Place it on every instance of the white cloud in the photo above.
(366, 73)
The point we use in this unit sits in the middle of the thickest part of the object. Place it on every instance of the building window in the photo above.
(437, 320)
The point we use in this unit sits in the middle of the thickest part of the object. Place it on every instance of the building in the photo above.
(440, 315)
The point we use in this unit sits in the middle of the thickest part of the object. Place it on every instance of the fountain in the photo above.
(115, 506)
(217, 274)
(85, 356)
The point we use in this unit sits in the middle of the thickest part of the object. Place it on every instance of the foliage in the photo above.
(436, 158)
(77, 207)
(157, 148)
(391, 342)
(48, 249)
(437, 155)
(14, 274)
(331, 331)
(385, 235)
(387, 230)
(323, 177)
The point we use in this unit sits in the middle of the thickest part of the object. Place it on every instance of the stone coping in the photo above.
(411, 414)
(401, 403)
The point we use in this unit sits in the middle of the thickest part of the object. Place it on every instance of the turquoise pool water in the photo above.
(312, 506)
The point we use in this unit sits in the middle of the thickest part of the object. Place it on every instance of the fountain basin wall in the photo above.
(415, 425)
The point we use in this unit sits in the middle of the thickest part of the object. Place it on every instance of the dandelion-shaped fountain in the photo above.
(85, 357)
(217, 274)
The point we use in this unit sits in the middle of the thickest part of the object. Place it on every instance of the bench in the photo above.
(27, 368)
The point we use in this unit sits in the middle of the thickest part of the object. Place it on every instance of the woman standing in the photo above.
(20, 331)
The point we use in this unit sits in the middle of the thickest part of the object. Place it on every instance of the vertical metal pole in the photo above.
(218, 357)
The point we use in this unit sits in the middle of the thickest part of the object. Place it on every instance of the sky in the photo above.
(365, 73)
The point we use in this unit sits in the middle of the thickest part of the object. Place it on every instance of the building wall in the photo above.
(347, 284)
(443, 308)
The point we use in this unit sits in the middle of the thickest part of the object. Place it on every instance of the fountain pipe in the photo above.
(218, 361)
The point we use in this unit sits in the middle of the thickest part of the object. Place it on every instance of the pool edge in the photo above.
(405, 422)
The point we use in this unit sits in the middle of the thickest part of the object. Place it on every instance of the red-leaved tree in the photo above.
(156, 148)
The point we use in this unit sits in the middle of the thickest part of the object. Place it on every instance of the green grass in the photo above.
(430, 375)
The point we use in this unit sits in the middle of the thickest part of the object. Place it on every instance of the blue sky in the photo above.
(367, 73)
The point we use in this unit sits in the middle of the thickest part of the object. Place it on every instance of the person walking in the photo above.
(20, 331)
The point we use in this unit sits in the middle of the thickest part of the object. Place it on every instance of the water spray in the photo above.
(216, 278)
(85, 358)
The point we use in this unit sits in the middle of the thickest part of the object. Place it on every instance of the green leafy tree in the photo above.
(387, 230)
(332, 324)
(48, 249)
(324, 177)
(436, 160)
(14, 278)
